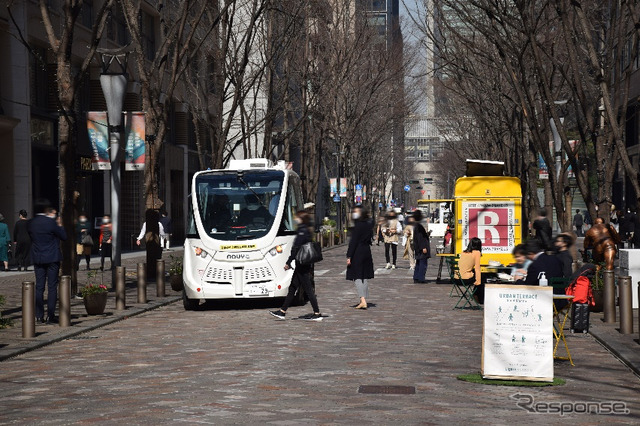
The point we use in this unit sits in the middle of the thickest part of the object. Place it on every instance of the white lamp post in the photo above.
(114, 87)
(557, 142)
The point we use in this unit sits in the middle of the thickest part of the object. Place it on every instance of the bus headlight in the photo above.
(276, 250)
(201, 252)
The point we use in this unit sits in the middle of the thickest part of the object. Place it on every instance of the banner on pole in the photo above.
(343, 187)
(99, 138)
(135, 133)
(333, 186)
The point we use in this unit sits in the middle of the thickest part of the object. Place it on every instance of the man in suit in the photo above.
(540, 262)
(45, 232)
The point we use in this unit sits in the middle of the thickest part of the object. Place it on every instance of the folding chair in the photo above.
(452, 264)
(466, 291)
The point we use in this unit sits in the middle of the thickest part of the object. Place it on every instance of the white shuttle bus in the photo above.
(240, 232)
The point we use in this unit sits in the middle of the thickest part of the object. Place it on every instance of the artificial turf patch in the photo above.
(477, 378)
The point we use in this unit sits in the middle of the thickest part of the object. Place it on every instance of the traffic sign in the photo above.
(336, 198)
(422, 192)
(358, 187)
(407, 188)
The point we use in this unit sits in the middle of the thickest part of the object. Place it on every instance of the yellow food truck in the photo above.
(487, 205)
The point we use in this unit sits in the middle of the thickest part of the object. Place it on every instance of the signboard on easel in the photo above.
(517, 337)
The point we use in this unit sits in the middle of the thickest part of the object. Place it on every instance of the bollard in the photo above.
(609, 297)
(121, 294)
(160, 278)
(142, 283)
(625, 301)
(64, 294)
(28, 310)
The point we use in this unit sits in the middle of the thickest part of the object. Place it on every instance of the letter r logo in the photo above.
(488, 222)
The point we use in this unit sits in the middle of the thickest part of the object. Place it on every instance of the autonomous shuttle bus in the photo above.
(240, 232)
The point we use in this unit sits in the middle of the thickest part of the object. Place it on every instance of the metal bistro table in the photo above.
(559, 321)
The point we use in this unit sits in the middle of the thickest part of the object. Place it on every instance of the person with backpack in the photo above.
(301, 280)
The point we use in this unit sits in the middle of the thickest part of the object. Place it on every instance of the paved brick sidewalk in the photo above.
(234, 364)
(11, 341)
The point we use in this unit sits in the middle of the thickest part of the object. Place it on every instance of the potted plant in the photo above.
(175, 273)
(94, 295)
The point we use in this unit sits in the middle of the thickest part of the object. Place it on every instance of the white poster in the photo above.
(491, 221)
(517, 339)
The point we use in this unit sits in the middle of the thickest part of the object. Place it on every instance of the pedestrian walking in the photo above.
(165, 220)
(379, 236)
(106, 233)
(152, 231)
(421, 247)
(84, 241)
(5, 240)
(391, 230)
(542, 227)
(408, 243)
(46, 232)
(359, 259)
(301, 280)
(21, 241)
(578, 221)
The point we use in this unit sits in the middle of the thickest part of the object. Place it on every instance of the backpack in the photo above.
(581, 291)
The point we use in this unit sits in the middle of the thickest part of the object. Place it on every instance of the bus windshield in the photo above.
(239, 206)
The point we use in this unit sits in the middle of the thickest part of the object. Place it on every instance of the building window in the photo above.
(147, 29)
(374, 5)
(86, 13)
(42, 132)
(117, 27)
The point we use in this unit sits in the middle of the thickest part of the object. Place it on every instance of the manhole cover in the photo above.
(396, 390)
(83, 337)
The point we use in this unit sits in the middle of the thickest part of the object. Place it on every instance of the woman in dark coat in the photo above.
(359, 259)
(421, 248)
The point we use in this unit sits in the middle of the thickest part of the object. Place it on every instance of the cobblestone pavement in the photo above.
(235, 364)
(11, 341)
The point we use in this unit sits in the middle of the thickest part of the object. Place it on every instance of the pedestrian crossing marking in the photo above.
(321, 272)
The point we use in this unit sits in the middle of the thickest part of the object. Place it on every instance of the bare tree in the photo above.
(60, 31)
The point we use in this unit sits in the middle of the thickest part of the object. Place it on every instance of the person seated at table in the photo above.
(469, 267)
(562, 244)
(519, 268)
(540, 262)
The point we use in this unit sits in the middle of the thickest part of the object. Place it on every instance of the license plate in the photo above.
(257, 290)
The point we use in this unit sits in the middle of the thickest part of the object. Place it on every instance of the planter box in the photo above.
(95, 303)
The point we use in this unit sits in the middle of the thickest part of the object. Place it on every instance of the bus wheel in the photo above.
(189, 304)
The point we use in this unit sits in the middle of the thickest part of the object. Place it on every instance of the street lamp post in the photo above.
(557, 142)
(339, 206)
(114, 85)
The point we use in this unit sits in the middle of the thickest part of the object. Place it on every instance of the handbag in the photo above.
(86, 240)
(309, 253)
